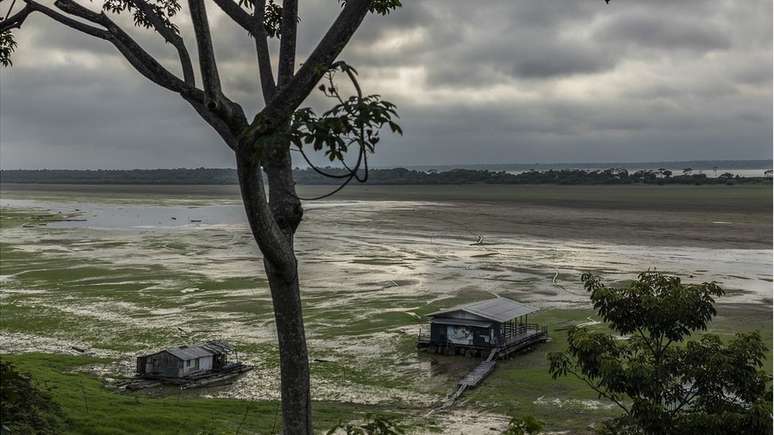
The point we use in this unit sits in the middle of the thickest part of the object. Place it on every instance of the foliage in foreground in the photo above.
(24, 408)
(662, 383)
(526, 425)
(373, 425)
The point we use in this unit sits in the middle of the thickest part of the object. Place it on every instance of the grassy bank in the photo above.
(90, 408)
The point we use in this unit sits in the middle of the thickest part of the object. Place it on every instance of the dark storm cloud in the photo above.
(665, 32)
(475, 82)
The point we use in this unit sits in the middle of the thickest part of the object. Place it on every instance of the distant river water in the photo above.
(710, 173)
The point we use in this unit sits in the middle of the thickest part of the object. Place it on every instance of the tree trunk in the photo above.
(272, 226)
(294, 360)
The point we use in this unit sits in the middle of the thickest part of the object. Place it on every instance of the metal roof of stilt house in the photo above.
(498, 309)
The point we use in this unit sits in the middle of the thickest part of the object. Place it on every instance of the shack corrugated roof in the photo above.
(498, 309)
(189, 352)
(215, 347)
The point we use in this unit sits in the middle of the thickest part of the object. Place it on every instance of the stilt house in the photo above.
(498, 324)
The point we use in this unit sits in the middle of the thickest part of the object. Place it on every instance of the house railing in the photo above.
(422, 336)
(523, 332)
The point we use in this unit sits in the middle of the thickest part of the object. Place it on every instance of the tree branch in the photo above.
(225, 128)
(16, 20)
(262, 51)
(289, 96)
(648, 343)
(63, 19)
(271, 240)
(599, 391)
(254, 25)
(686, 400)
(207, 64)
(287, 54)
(136, 55)
(228, 119)
(170, 36)
(236, 13)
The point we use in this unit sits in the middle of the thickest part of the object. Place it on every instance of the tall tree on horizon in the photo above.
(262, 146)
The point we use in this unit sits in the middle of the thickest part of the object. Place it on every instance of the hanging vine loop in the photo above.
(352, 124)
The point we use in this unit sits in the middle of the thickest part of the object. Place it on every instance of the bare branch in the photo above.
(170, 36)
(67, 21)
(207, 64)
(16, 20)
(287, 54)
(73, 8)
(262, 51)
(254, 25)
(236, 13)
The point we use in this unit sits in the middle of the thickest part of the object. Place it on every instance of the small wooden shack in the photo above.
(183, 361)
(498, 325)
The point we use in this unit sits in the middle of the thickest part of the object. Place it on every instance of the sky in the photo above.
(498, 81)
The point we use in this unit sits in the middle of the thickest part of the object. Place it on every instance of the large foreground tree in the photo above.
(262, 147)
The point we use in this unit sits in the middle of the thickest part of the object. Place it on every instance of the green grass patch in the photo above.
(91, 408)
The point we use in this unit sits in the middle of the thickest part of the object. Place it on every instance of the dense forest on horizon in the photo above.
(396, 176)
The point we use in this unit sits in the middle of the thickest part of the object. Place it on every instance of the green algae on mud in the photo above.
(118, 293)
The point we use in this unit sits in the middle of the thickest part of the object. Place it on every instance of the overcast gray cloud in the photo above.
(476, 82)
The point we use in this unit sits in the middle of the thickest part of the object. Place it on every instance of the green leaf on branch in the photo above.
(381, 7)
(7, 47)
(164, 9)
(354, 121)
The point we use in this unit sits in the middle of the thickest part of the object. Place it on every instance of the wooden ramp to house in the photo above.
(479, 373)
(471, 380)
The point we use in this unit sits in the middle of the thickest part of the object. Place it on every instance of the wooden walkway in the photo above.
(481, 371)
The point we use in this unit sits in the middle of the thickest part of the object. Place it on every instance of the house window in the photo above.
(196, 363)
(188, 363)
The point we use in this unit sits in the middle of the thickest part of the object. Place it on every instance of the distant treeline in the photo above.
(379, 176)
(116, 176)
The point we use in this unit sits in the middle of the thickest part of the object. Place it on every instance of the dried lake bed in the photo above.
(123, 269)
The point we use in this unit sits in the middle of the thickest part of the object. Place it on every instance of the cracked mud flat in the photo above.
(130, 279)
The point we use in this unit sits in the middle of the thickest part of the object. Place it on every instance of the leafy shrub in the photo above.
(24, 408)
(663, 383)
